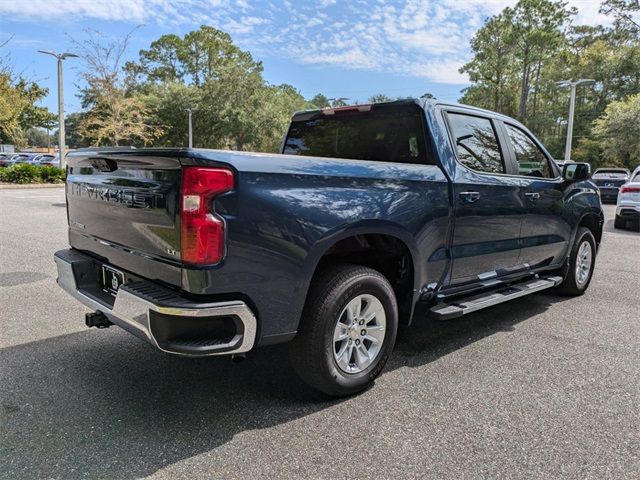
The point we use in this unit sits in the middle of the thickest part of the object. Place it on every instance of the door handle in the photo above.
(532, 196)
(469, 197)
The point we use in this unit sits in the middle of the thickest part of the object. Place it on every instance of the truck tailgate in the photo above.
(124, 208)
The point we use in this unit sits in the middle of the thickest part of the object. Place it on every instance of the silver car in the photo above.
(628, 203)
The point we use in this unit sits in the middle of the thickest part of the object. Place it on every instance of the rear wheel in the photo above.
(582, 261)
(619, 222)
(347, 331)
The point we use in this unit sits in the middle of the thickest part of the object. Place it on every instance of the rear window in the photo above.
(385, 134)
(610, 172)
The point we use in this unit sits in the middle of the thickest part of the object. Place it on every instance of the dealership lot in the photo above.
(543, 387)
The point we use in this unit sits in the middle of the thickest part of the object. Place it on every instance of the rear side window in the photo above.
(385, 134)
(476, 143)
(531, 161)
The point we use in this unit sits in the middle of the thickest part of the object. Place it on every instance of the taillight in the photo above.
(203, 237)
(629, 189)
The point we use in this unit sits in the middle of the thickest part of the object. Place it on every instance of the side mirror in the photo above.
(576, 172)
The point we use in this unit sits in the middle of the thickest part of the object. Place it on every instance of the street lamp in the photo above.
(572, 106)
(60, 57)
(190, 111)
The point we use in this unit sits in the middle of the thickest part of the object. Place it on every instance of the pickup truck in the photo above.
(370, 214)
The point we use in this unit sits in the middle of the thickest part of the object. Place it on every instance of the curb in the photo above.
(10, 186)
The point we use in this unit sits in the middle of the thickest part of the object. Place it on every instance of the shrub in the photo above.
(21, 173)
(27, 173)
(51, 174)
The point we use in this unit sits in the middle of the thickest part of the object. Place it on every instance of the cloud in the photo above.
(441, 71)
(419, 38)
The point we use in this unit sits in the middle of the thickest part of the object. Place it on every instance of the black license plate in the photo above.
(111, 280)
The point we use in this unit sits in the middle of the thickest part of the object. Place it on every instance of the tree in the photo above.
(537, 36)
(201, 55)
(36, 137)
(72, 130)
(163, 61)
(520, 54)
(18, 105)
(18, 109)
(116, 113)
(619, 132)
(167, 103)
(491, 67)
(338, 102)
(625, 12)
(319, 101)
(380, 98)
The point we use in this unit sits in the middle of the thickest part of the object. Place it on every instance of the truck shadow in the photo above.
(103, 404)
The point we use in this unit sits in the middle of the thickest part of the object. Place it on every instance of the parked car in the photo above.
(628, 204)
(609, 181)
(15, 158)
(372, 213)
(33, 158)
(47, 160)
(5, 159)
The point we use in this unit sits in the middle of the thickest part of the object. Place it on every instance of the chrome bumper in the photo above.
(139, 304)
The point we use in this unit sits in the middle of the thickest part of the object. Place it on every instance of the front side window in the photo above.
(532, 162)
(476, 143)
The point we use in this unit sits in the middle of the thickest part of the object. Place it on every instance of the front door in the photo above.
(487, 202)
(545, 231)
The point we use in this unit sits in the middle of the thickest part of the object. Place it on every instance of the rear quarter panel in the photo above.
(287, 211)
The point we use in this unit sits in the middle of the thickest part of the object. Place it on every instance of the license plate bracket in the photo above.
(111, 280)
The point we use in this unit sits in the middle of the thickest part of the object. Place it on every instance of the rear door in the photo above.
(487, 202)
(545, 229)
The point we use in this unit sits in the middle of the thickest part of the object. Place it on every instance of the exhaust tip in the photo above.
(238, 357)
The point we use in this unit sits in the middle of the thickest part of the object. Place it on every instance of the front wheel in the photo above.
(581, 262)
(347, 331)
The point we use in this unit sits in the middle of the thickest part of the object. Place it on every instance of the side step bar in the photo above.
(464, 305)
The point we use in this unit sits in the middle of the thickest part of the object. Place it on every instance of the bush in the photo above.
(27, 173)
(21, 173)
(51, 174)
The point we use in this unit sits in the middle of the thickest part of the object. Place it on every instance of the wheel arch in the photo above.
(359, 244)
(594, 222)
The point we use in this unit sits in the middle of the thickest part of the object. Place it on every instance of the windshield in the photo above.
(385, 134)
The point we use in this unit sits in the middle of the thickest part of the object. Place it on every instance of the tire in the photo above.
(620, 222)
(336, 294)
(576, 283)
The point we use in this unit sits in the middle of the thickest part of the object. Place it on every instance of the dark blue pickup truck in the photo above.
(370, 212)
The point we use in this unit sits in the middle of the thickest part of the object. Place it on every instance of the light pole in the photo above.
(190, 111)
(60, 57)
(572, 106)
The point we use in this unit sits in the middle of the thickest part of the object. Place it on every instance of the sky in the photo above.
(351, 49)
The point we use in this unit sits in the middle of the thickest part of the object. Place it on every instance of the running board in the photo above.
(462, 306)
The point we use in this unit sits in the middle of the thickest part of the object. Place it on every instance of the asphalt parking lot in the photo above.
(546, 387)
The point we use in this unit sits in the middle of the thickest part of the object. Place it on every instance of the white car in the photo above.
(628, 204)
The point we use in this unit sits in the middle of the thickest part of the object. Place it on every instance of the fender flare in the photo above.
(366, 227)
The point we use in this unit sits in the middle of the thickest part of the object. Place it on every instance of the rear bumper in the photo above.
(609, 194)
(158, 315)
(629, 211)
